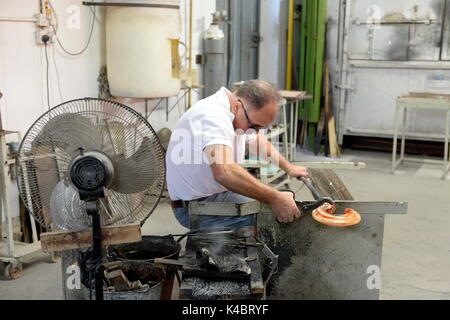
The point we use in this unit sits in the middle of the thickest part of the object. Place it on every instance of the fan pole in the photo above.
(97, 266)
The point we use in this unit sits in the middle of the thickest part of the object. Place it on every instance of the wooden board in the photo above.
(293, 95)
(332, 139)
(65, 240)
(328, 184)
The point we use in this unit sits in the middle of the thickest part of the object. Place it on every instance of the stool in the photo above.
(293, 98)
(420, 101)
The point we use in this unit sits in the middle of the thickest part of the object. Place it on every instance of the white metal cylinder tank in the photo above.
(214, 71)
(142, 48)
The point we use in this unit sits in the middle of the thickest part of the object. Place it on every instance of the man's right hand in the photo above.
(285, 208)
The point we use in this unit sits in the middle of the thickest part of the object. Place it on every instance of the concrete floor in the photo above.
(416, 246)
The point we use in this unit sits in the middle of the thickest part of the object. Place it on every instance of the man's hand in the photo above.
(284, 207)
(297, 171)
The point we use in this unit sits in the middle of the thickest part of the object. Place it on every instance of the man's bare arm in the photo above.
(235, 178)
(262, 148)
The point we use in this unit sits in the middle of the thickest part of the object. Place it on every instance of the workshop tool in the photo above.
(268, 253)
(319, 199)
(323, 210)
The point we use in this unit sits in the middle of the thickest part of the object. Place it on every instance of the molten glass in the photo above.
(325, 215)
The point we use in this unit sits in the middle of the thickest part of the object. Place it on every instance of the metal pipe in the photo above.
(290, 45)
(18, 19)
(126, 4)
(191, 3)
(344, 71)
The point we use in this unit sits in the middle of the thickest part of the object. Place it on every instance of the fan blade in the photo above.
(69, 212)
(67, 209)
(69, 132)
(138, 172)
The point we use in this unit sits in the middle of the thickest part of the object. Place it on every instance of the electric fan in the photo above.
(90, 163)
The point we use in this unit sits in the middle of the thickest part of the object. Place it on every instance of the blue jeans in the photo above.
(182, 214)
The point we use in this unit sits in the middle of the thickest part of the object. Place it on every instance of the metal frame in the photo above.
(168, 108)
(404, 103)
(15, 250)
(197, 208)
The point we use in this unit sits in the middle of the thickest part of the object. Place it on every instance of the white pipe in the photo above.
(18, 19)
(344, 71)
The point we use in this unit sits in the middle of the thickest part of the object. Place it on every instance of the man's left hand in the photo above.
(297, 171)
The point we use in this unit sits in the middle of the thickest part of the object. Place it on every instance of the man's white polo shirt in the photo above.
(207, 122)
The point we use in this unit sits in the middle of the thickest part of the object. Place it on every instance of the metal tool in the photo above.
(326, 215)
(319, 199)
(273, 260)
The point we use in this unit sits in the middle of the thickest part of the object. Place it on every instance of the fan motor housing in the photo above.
(90, 172)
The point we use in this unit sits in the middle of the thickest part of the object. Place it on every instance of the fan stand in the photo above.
(94, 261)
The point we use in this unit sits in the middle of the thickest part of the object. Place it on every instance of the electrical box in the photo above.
(42, 20)
(42, 32)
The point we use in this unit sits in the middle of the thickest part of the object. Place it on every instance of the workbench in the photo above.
(318, 261)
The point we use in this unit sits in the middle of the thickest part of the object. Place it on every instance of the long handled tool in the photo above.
(323, 209)
(319, 199)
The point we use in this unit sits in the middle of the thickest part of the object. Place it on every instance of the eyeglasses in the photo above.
(251, 125)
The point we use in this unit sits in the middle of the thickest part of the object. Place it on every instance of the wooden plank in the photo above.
(65, 240)
(328, 183)
(256, 280)
(292, 94)
(330, 120)
(118, 280)
(334, 147)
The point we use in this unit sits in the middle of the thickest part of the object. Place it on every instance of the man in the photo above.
(209, 140)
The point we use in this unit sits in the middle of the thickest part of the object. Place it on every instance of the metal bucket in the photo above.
(151, 276)
(148, 249)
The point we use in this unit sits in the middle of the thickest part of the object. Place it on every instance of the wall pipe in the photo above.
(191, 3)
(290, 45)
(18, 19)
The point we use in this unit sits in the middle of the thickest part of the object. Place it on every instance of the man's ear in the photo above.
(234, 107)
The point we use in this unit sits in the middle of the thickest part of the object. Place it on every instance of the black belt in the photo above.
(183, 203)
(178, 204)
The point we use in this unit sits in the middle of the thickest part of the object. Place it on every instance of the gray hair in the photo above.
(258, 93)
